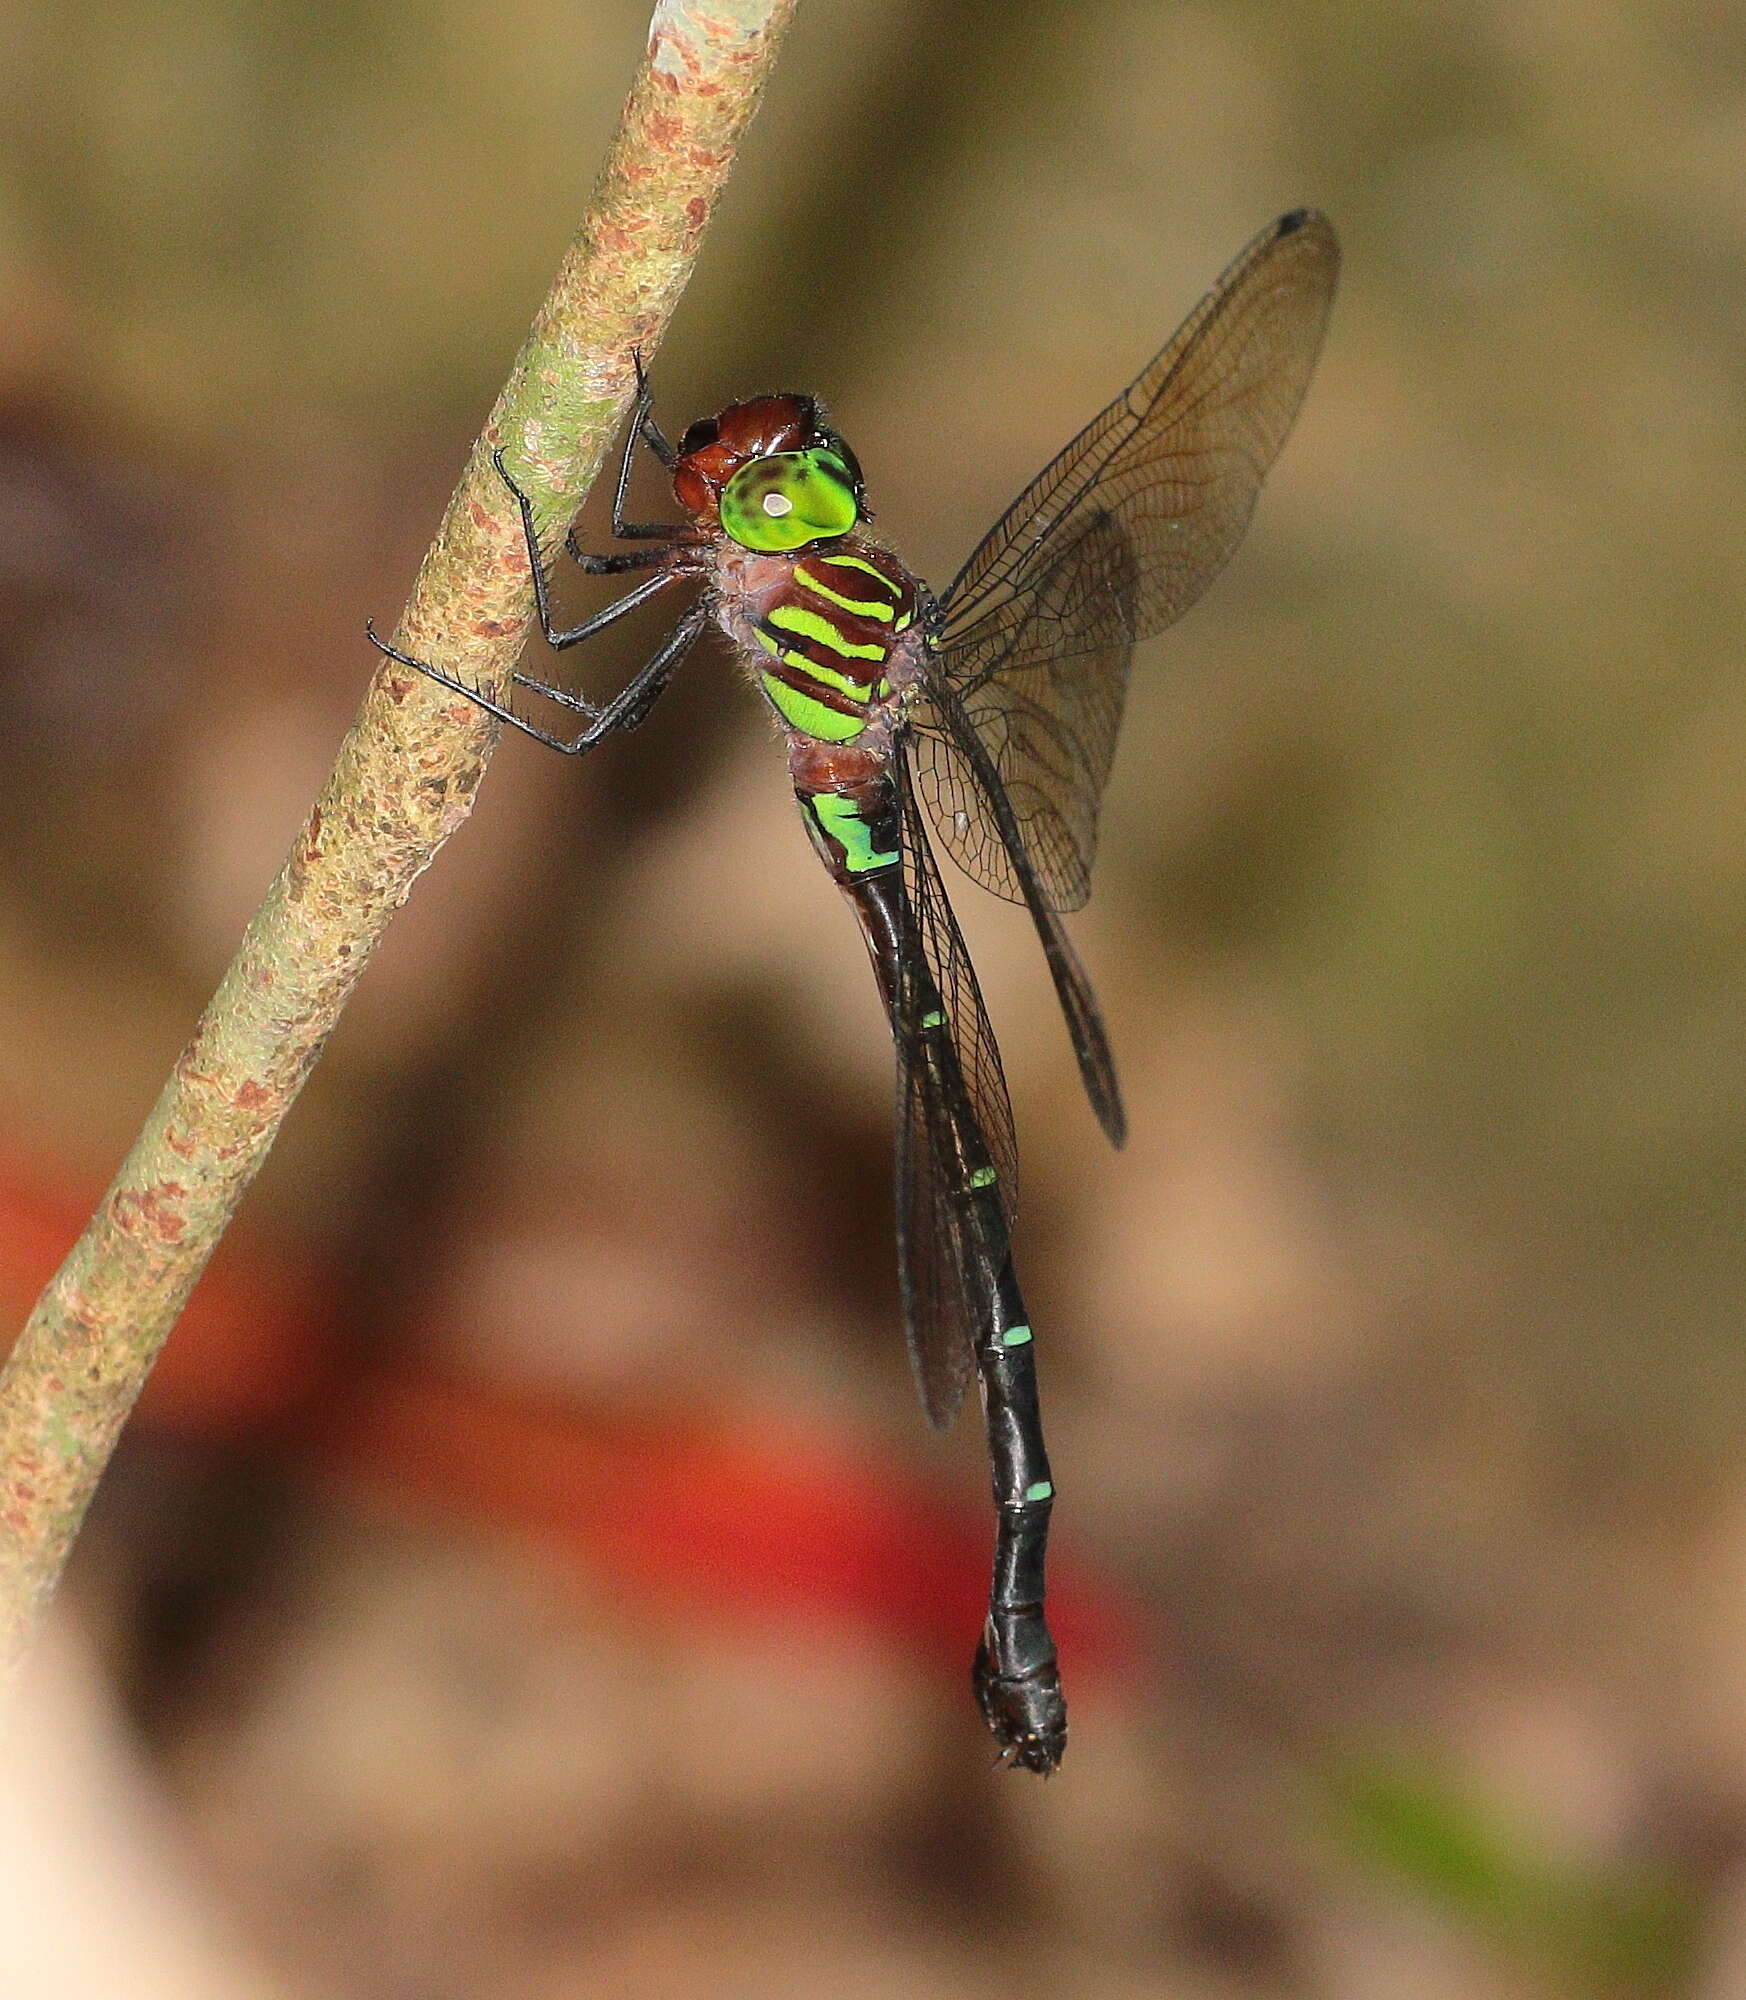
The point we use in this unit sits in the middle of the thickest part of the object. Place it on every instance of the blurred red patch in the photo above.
(250, 1348)
(693, 1515)
(755, 1520)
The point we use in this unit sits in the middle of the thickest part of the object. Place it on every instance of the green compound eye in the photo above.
(789, 500)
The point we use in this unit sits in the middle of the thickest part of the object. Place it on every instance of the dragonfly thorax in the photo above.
(831, 635)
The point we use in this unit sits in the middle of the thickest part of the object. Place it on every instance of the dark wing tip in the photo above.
(1311, 221)
(1114, 1120)
(942, 1416)
(1097, 1072)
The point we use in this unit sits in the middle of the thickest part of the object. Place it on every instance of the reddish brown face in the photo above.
(712, 451)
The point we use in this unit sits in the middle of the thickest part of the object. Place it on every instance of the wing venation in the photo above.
(1111, 543)
(938, 1260)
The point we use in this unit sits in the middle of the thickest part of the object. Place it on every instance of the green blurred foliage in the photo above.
(1626, 1931)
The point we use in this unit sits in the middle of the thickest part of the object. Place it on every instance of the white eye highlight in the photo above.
(778, 504)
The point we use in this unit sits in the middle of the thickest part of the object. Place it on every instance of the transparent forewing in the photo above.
(1040, 686)
(1111, 543)
(953, 1114)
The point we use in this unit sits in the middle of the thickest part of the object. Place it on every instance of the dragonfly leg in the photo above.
(591, 564)
(644, 430)
(619, 563)
(652, 434)
(639, 559)
(626, 710)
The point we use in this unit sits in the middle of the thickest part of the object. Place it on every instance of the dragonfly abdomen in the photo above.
(1016, 1676)
(855, 829)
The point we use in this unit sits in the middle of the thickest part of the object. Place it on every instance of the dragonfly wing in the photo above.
(939, 1322)
(1111, 543)
(1084, 1026)
(951, 1097)
(955, 734)
(1039, 683)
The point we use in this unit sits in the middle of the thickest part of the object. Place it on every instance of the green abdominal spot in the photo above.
(841, 819)
(811, 718)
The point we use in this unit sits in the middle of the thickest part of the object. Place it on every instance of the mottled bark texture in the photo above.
(404, 780)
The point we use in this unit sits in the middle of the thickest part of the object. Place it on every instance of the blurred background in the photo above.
(530, 1573)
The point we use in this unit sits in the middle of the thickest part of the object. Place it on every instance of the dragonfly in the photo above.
(989, 712)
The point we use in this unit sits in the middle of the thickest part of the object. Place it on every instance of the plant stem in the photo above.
(405, 778)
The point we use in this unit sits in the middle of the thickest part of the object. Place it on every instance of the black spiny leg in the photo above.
(626, 709)
(597, 565)
(645, 430)
(653, 435)
(670, 561)
(667, 556)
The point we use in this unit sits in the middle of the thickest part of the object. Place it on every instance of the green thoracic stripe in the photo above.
(863, 607)
(1043, 1490)
(829, 677)
(1015, 1336)
(934, 1020)
(810, 717)
(892, 590)
(841, 819)
(825, 676)
(806, 624)
(984, 1177)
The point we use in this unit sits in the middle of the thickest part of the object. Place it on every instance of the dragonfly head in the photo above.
(771, 474)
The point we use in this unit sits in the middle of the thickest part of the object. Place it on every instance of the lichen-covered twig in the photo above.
(404, 780)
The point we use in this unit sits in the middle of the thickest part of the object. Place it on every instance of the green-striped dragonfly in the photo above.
(997, 706)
